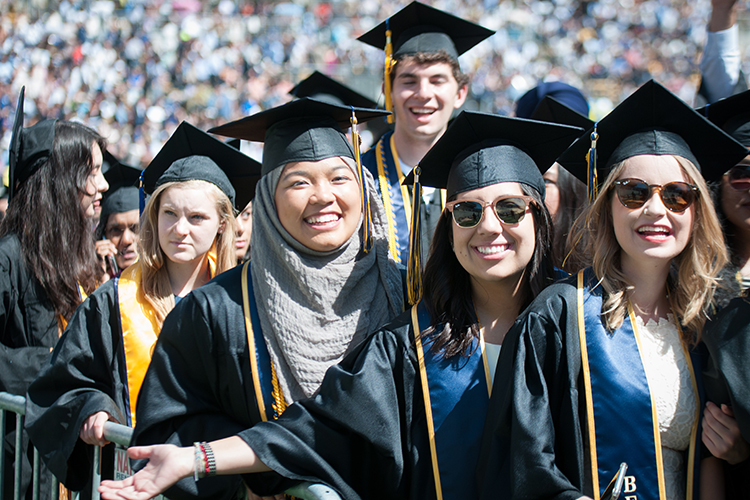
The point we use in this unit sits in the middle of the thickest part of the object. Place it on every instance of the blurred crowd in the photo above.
(134, 69)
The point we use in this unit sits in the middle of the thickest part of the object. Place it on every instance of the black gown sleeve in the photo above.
(532, 446)
(196, 387)
(362, 433)
(27, 321)
(83, 377)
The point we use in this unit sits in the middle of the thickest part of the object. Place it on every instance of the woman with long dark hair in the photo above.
(97, 368)
(47, 264)
(401, 415)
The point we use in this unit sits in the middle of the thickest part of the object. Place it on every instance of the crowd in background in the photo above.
(134, 69)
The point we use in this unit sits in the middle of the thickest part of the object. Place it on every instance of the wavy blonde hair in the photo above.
(154, 286)
(592, 239)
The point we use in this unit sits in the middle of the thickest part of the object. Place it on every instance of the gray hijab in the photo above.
(313, 306)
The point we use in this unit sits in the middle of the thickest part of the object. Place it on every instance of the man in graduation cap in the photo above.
(423, 86)
(117, 231)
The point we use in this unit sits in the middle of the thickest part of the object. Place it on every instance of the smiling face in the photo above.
(318, 203)
(651, 235)
(91, 198)
(188, 223)
(424, 97)
(493, 251)
(735, 203)
(122, 230)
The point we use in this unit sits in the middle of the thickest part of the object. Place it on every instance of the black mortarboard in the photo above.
(326, 89)
(29, 147)
(552, 110)
(122, 199)
(301, 130)
(652, 121)
(562, 92)
(421, 28)
(480, 149)
(192, 154)
(732, 115)
(118, 174)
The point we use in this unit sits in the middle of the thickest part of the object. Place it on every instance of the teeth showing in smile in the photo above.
(422, 111)
(490, 250)
(653, 230)
(322, 219)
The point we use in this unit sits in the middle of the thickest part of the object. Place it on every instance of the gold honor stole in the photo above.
(396, 198)
(620, 411)
(456, 394)
(140, 329)
(64, 322)
(268, 394)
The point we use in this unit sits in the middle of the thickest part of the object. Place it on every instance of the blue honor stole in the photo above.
(260, 359)
(620, 412)
(456, 394)
(396, 197)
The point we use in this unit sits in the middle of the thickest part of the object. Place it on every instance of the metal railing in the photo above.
(116, 433)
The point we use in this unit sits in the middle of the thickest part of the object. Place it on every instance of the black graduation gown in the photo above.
(199, 384)
(29, 331)
(365, 432)
(540, 403)
(727, 379)
(85, 375)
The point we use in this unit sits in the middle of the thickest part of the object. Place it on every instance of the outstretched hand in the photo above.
(166, 465)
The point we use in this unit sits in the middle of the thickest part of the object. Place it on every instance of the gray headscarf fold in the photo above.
(314, 305)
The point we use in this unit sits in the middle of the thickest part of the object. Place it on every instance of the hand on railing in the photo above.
(92, 430)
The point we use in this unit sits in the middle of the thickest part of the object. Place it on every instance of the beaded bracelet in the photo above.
(205, 463)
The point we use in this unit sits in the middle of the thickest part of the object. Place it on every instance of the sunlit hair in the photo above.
(59, 254)
(447, 285)
(693, 278)
(441, 56)
(154, 287)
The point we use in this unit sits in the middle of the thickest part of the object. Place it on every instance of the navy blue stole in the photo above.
(260, 360)
(620, 413)
(383, 163)
(456, 394)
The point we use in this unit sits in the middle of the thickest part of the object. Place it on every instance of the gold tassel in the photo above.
(279, 403)
(363, 198)
(389, 63)
(414, 267)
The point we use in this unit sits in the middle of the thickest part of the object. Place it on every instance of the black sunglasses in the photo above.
(469, 213)
(739, 177)
(676, 196)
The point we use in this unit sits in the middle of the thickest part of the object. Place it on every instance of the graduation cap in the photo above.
(652, 121)
(118, 174)
(192, 154)
(478, 150)
(326, 89)
(307, 130)
(29, 147)
(732, 115)
(420, 28)
(554, 111)
(562, 92)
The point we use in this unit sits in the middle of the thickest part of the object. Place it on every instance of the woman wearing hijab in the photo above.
(98, 366)
(46, 267)
(401, 416)
(602, 365)
(240, 349)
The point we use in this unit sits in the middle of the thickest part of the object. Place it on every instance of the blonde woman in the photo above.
(96, 371)
(603, 366)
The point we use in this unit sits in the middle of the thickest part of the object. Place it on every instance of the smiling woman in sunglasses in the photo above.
(602, 365)
(402, 415)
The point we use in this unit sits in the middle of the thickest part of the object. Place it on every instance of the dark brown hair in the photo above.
(46, 215)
